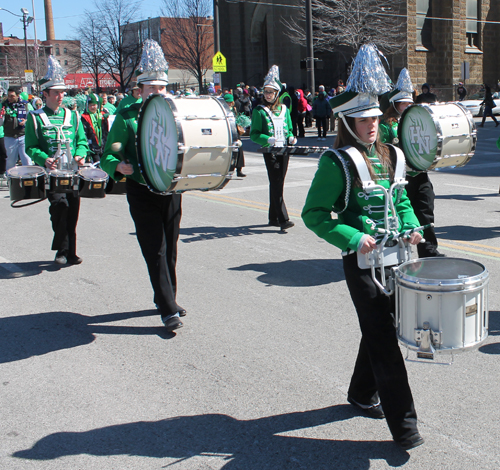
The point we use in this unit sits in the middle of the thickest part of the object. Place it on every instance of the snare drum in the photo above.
(186, 143)
(62, 181)
(441, 304)
(437, 135)
(92, 182)
(26, 182)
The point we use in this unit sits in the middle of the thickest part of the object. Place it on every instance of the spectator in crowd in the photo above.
(461, 92)
(426, 96)
(321, 112)
(15, 111)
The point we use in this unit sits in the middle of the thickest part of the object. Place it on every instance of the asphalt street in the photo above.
(257, 378)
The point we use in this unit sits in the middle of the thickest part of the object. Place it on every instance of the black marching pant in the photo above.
(64, 210)
(277, 166)
(380, 372)
(3, 157)
(421, 195)
(157, 224)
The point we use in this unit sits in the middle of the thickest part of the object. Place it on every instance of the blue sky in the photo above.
(67, 15)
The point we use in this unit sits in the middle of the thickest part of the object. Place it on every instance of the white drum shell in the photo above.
(457, 310)
(206, 139)
(455, 131)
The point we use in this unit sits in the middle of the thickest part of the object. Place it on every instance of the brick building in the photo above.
(158, 29)
(13, 57)
(443, 37)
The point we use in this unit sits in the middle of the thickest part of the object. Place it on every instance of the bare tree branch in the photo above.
(352, 23)
(189, 38)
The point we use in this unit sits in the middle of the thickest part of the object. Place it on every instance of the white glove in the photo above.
(271, 140)
(292, 140)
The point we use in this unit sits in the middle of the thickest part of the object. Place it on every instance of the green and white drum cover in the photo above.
(157, 143)
(418, 137)
(437, 135)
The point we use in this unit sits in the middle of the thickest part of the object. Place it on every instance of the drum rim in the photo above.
(138, 139)
(42, 172)
(82, 176)
(445, 285)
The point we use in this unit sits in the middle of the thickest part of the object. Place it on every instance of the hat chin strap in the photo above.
(358, 140)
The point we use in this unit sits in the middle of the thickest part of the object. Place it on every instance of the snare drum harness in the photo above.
(62, 136)
(386, 228)
(276, 125)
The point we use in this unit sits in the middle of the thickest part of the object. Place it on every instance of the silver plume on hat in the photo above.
(54, 70)
(152, 59)
(368, 73)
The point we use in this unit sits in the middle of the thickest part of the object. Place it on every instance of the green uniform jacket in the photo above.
(388, 132)
(110, 107)
(126, 102)
(123, 131)
(37, 142)
(262, 127)
(364, 212)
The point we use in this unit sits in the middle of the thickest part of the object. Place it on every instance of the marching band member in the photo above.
(379, 384)
(56, 140)
(95, 123)
(419, 189)
(272, 127)
(156, 217)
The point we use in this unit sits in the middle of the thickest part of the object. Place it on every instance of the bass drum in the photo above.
(442, 302)
(26, 182)
(437, 135)
(186, 143)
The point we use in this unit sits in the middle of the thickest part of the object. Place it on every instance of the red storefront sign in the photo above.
(85, 80)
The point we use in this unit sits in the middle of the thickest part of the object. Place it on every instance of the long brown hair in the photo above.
(345, 138)
(391, 114)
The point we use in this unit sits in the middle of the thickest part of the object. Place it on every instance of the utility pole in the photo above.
(309, 48)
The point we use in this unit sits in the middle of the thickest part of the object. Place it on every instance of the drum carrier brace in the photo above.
(61, 137)
(393, 248)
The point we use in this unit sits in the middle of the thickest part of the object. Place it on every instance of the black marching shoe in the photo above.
(374, 411)
(287, 224)
(240, 174)
(274, 224)
(73, 259)
(411, 442)
(172, 322)
(182, 311)
(61, 258)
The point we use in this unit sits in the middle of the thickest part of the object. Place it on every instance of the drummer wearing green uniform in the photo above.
(419, 189)
(55, 139)
(156, 217)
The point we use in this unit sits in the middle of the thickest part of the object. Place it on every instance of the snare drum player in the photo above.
(48, 130)
(379, 384)
(156, 217)
(95, 123)
(419, 189)
(272, 127)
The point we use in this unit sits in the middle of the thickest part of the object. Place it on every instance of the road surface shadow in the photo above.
(252, 444)
(297, 273)
(26, 336)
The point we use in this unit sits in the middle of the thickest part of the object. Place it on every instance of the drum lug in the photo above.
(426, 338)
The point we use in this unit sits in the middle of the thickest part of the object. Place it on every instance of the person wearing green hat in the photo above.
(55, 140)
(355, 180)
(95, 124)
(240, 161)
(272, 127)
(156, 217)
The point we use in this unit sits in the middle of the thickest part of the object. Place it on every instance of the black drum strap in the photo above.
(27, 204)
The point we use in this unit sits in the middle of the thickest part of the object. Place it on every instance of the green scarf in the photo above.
(97, 124)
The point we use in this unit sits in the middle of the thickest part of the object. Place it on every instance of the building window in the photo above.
(65, 62)
(57, 51)
(65, 50)
(472, 29)
(424, 24)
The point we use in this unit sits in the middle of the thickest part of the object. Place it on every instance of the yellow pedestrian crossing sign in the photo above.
(219, 63)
